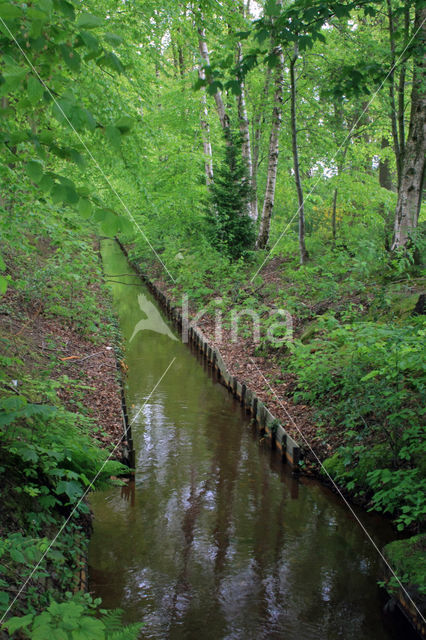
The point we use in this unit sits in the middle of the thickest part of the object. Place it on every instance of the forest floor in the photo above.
(84, 373)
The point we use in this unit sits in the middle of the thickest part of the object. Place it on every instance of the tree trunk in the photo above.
(413, 165)
(255, 167)
(401, 85)
(340, 168)
(385, 177)
(385, 181)
(175, 60)
(333, 216)
(296, 166)
(258, 121)
(208, 155)
(181, 61)
(223, 116)
(245, 137)
(397, 142)
(271, 179)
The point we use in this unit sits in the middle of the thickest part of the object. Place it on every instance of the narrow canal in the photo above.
(215, 539)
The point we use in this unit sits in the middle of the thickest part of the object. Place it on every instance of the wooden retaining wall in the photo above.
(128, 448)
(267, 423)
(128, 452)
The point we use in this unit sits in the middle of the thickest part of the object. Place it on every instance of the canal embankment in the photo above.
(61, 413)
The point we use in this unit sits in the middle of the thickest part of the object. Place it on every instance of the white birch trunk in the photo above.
(259, 121)
(296, 166)
(223, 116)
(413, 164)
(268, 203)
(208, 154)
(245, 136)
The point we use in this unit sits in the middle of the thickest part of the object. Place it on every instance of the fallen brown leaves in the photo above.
(49, 346)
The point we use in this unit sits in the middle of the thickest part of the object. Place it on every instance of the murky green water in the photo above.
(215, 539)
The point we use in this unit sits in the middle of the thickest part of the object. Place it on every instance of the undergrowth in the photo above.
(367, 379)
(49, 458)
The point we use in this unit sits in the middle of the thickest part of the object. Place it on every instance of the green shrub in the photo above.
(230, 228)
(78, 618)
(48, 461)
(368, 380)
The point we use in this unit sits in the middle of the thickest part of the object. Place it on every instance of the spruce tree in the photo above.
(231, 230)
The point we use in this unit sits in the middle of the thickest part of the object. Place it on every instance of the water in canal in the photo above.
(215, 539)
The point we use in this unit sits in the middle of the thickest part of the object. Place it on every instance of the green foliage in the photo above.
(45, 49)
(379, 364)
(63, 263)
(48, 462)
(230, 227)
(369, 379)
(54, 447)
(408, 559)
(77, 618)
(48, 569)
(49, 459)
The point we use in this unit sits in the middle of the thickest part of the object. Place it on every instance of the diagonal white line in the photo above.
(90, 486)
(344, 141)
(101, 171)
(349, 506)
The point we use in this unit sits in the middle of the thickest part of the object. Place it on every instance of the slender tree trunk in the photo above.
(365, 121)
(401, 105)
(271, 179)
(181, 61)
(338, 128)
(205, 128)
(413, 165)
(340, 168)
(385, 181)
(385, 178)
(392, 100)
(175, 60)
(258, 122)
(401, 86)
(296, 165)
(223, 116)
(333, 215)
(245, 136)
(255, 167)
